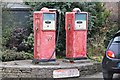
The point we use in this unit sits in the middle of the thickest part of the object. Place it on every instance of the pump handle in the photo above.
(68, 26)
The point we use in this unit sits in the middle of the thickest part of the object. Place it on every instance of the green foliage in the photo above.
(7, 28)
(100, 29)
(13, 33)
(29, 42)
(6, 35)
(10, 55)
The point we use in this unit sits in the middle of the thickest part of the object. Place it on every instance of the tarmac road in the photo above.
(99, 76)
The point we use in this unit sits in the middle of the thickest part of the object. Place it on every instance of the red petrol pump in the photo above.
(44, 35)
(76, 23)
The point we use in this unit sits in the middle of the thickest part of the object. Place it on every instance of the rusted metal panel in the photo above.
(69, 34)
(44, 35)
(76, 34)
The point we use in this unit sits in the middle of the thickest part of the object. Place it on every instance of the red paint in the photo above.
(44, 40)
(76, 40)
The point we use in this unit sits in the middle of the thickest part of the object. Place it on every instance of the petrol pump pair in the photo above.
(76, 23)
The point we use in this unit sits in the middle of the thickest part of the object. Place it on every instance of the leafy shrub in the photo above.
(13, 32)
(29, 42)
(17, 36)
(10, 55)
(7, 28)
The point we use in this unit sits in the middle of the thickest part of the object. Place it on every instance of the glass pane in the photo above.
(117, 39)
(48, 16)
(80, 16)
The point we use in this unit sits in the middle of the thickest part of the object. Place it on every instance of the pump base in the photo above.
(44, 61)
(79, 58)
(76, 60)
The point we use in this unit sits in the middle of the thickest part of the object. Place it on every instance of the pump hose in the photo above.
(90, 57)
(56, 38)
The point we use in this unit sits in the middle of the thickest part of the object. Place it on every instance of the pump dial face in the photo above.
(80, 21)
(49, 21)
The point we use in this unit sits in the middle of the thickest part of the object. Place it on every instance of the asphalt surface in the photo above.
(99, 76)
(96, 76)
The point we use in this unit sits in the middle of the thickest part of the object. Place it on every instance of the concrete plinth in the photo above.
(25, 68)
